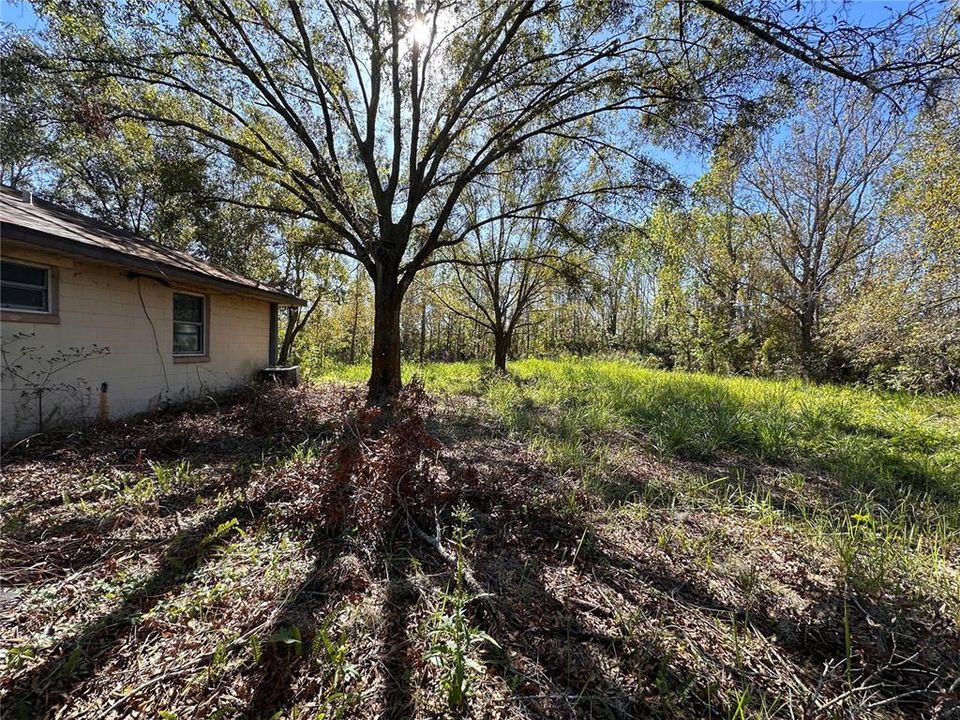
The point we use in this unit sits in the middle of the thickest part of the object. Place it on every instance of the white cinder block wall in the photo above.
(101, 305)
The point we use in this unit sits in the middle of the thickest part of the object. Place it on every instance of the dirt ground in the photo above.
(172, 567)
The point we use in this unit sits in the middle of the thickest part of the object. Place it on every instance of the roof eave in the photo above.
(49, 241)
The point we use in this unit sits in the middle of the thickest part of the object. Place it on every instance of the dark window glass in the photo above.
(186, 338)
(188, 308)
(15, 272)
(24, 287)
(23, 298)
(188, 330)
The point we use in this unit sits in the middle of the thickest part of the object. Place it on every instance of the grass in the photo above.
(872, 476)
(615, 542)
(448, 378)
(887, 442)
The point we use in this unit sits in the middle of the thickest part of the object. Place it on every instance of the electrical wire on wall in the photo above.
(156, 340)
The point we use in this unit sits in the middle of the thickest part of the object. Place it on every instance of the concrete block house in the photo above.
(99, 324)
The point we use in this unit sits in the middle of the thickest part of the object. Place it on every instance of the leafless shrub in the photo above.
(380, 464)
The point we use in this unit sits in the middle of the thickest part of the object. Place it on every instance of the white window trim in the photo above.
(51, 314)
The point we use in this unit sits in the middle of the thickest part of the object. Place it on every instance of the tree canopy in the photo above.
(374, 119)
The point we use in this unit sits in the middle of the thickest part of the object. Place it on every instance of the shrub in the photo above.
(380, 464)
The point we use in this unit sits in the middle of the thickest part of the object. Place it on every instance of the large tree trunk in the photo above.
(385, 373)
(807, 330)
(501, 347)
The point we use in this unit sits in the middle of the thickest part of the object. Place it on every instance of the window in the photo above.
(189, 336)
(24, 287)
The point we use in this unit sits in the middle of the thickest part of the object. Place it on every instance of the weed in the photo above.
(334, 648)
(867, 555)
(305, 451)
(454, 640)
(288, 635)
(173, 476)
(18, 657)
(256, 649)
(220, 531)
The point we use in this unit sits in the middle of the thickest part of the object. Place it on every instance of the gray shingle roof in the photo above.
(50, 226)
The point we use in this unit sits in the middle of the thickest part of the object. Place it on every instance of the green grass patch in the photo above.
(881, 441)
(453, 378)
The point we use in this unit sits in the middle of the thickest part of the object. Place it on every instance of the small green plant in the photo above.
(220, 531)
(73, 660)
(454, 640)
(305, 451)
(289, 635)
(748, 580)
(219, 659)
(256, 649)
(866, 553)
(740, 711)
(18, 657)
(170, 476)
(334, 648)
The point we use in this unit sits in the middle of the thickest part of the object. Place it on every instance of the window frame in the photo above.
(204, 335)
(32, 315)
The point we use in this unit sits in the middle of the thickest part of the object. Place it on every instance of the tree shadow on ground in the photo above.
(235, 429)
(552, 574)
(558, 650)
(397, 656)
(592, 615)
(75, 543)
(303, 613)
(37, 691)
(288, 672)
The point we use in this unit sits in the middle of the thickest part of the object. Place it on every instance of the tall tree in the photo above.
(55, 142)
(903, 323)
(673, 316)
(25, 138)
(724, 253)
(514, 246)
(155, 183)
(376, 115)
(151, 185)
(817, 205)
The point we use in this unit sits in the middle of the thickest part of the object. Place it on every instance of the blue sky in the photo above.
(18, 14)
(21, 15)
(689, 166)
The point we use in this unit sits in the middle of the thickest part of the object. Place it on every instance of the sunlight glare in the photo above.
(420, 32)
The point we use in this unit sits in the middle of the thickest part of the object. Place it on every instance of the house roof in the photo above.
(43, 224)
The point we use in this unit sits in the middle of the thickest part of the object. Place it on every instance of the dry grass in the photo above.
(166, 568)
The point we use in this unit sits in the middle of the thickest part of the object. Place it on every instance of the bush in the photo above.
(380, 464)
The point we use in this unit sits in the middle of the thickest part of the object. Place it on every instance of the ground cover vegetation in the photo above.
(582, 539)
(733, 488)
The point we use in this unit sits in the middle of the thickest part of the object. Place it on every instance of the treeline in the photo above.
(829, 249)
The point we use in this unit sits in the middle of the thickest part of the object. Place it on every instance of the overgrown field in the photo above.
(582, 539)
